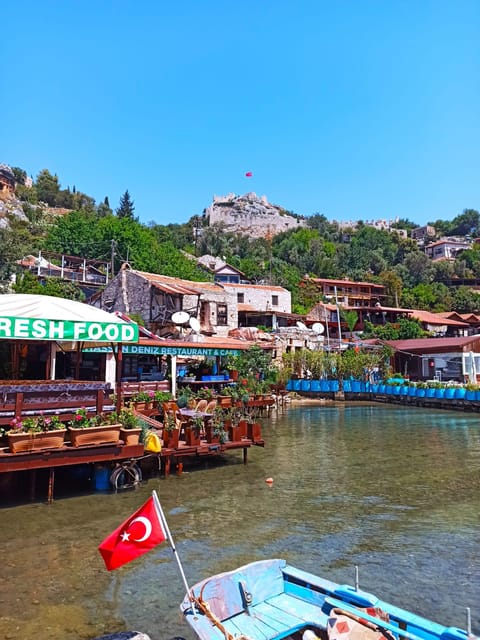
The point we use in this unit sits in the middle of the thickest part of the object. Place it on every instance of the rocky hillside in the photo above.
(251, 215)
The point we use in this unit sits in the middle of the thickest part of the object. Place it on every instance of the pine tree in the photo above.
(126, 207)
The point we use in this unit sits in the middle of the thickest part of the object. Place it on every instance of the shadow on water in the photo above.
(393, 490)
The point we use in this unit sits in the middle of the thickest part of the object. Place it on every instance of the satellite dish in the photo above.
(302, 326)
(318, 328)
(195, 324)
(180, 317)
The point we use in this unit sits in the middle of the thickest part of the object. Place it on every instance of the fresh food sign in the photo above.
(66, 330)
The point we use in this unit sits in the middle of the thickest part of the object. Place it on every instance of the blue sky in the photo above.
(357, 109)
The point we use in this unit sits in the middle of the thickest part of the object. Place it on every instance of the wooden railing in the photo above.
(25, 398)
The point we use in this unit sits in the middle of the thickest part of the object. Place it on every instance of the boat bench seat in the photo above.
(225, 594)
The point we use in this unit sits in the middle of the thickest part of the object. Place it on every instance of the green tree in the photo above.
(465, 300)
(350, 316)
(104, 209)
(126, 207)
(467, 223)
(47, 187)
(404, 329)
(393, 287)
(28, 283)
(430, 297)
(20, 175)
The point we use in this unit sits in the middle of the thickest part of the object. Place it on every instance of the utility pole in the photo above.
(112, 259)
(338, 319)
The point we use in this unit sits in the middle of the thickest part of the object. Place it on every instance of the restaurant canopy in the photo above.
(36, 317)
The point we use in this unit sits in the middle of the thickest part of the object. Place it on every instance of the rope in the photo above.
(205, 608)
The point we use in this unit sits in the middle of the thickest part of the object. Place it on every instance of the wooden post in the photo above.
(245, 455)
(51, 483)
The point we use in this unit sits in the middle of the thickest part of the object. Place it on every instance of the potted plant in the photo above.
(142, 400)
(39, 432)
(192, 431)
(85, 429)
(130, 430)
(171, 431)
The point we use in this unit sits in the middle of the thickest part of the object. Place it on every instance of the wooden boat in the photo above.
(270, 600)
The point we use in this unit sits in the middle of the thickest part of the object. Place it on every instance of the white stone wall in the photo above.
(261, 297)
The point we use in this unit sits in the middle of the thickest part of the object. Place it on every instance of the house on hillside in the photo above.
(472, 319)
(446, 249)
(221, 270)
(262, 305)
(347, 292)
(438, 358)
(156, 297)
(421, 235)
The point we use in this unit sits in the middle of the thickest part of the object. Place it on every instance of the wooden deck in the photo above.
(68, 455)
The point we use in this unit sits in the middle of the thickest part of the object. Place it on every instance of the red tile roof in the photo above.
(430, 344)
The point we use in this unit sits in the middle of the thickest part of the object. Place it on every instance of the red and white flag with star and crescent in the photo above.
(138, 534)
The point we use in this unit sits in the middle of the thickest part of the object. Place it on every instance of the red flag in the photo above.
(249, 174)
(134, 537)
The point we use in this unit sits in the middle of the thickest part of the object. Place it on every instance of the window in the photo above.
(222, 314)
(240, 297)
(275, 301)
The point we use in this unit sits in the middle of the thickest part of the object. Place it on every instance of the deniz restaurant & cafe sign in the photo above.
(67, 330)
(153, 350)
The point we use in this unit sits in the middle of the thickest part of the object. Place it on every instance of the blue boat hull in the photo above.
(270, 600)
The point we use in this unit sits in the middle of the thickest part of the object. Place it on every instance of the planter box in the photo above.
(21, 442)
(254, 431)
(130, 436)
(192, 437)
(242, 427)
(210, 438)
(233, 433)
(103, 434)
(170, 438)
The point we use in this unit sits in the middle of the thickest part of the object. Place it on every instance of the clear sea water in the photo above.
(393, 490)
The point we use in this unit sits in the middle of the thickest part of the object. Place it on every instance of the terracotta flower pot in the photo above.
(130, 436)
(103, 434)
(170, 438)
(19, 442)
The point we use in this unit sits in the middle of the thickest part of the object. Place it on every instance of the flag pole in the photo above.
(163, 520)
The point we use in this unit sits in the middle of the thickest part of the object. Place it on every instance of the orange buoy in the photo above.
(269, 480)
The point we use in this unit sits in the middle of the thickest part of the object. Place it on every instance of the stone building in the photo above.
(7, 179)
(156, 297)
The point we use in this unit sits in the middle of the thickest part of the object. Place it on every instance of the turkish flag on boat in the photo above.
(138, 534)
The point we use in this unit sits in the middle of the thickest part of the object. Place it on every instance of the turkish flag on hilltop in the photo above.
(249, 174)
(138, 534)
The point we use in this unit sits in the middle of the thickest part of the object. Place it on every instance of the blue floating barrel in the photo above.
(460, 393)
(315, 386)
(449, 393)
(305, 385)
(101, 478)
(347, 386)
(440, 393)
(289, 385)
(324, 386)
(356, 386)
(469, 395)
(333, 385)
(430, 392)
(296, 385)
